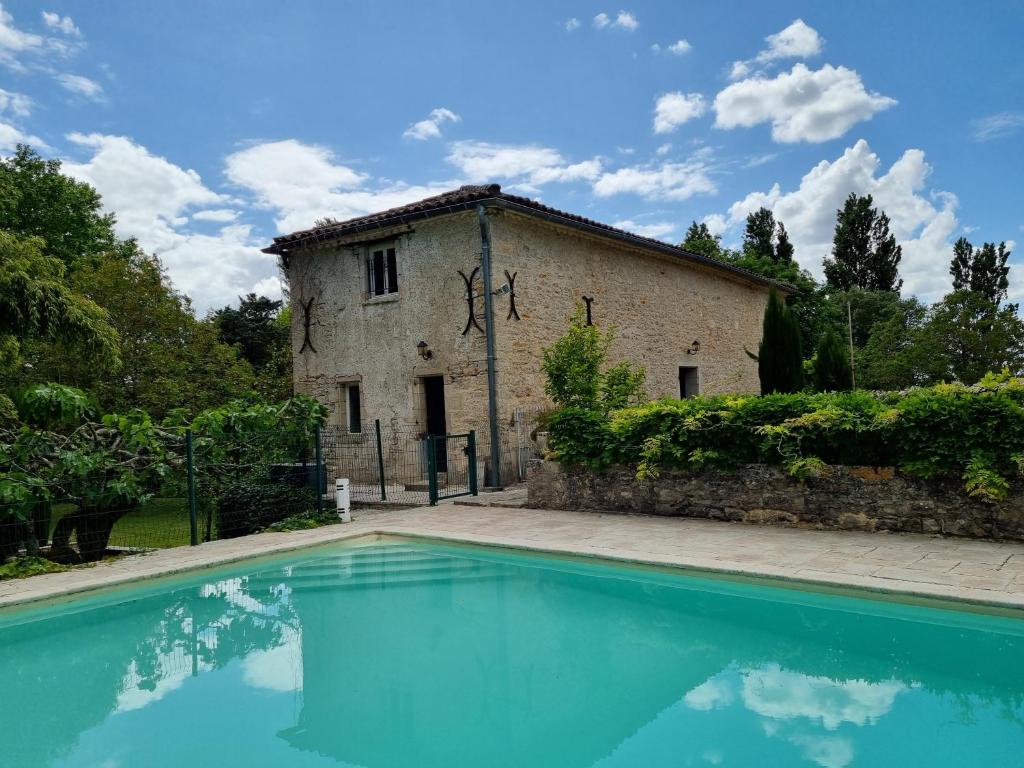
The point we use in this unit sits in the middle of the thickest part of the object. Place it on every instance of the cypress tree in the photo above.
(783, 247)
(779, 359)
(832, 364)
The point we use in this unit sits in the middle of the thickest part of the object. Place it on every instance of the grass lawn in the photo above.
(159, 523)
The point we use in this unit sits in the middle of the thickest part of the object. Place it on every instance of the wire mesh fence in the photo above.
(210, 484)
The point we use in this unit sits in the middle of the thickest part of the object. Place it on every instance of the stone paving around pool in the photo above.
(975, 571)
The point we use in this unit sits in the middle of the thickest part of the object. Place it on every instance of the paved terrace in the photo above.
(958, 569)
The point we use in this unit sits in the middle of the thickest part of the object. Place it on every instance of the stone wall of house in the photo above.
(852, 498)
(658, 304)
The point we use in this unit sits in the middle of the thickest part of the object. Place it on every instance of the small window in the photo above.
(689, 381)
(381, 271)
(354, 409)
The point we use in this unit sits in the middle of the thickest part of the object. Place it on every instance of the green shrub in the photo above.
(832, 364)
(974, 433)
(779, 358)
(250, 506)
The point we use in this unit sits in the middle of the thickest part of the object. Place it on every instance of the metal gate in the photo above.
(456, 454)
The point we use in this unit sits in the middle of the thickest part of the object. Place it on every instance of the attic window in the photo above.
(381, 270)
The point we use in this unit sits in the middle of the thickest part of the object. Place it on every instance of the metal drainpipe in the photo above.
(492, 385)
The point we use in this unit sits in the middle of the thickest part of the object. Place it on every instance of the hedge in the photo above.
(975, 433)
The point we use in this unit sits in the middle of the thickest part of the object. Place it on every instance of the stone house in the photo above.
(389, 311)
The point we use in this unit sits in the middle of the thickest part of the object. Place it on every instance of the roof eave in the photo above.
(282, 246)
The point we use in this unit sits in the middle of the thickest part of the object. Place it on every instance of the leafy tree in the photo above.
(759, 234)
(170, 359)
(573, 366)
(37, 302)
(700, 240)
(983, 270)
(968, 337)
(779, 359)
(37, 200)
(864, 253)
(891, 354)
(261, 330)
(832, 371)
(251, 328)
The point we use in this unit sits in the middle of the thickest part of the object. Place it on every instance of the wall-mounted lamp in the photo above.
(425, 352)
(694, 348)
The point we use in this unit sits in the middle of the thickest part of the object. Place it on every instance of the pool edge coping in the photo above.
(869, 587)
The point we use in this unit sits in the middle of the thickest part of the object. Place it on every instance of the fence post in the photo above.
(471, 450)
(432, 470)
(318, 450)
(380, 462)
(193, 514)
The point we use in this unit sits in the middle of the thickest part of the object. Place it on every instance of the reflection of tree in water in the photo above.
(100, 657)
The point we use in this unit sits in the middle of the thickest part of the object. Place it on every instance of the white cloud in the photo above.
(659, 230)
(220, 215)
(663, 149)
(673, 109)
(17, 104)
(997, 126)
(797, 41)
(922, 221)
(11, 136)
(303, 182)
(669, 181)
(61, 24)
(430, 127)
(82, 86)
(279, 668)
(152, 197)
(679, 47)
(711, 694)
(623, 20)
(525, 164)
(773, 692)
(14, 41)
(801, 105)
(571, 25)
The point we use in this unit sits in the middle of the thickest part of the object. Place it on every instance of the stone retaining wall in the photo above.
(853, 498)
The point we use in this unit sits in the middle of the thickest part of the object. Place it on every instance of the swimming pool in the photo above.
(419, 654)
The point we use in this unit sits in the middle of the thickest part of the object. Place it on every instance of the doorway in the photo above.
(437, 423)
(689, 381)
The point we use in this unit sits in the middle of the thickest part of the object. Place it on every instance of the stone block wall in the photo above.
(852, 498)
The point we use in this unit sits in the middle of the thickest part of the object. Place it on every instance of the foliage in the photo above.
(759, 234)
(864, 252)
(253, 505)
(832, 364)
(38, 201)
(573, 366)
(261, 330)
(779, 360)
(23, 567)
(700, 240)
(305, 521)
(170, 359)
(37, 302)
(981, 270)
(973, 433)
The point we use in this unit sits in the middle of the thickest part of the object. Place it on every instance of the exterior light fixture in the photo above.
(425, 352)
(694, 347)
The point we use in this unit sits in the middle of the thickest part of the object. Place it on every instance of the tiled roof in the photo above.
(468, 197)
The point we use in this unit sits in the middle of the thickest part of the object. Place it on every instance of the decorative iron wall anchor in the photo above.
(307, 318)
(589, 300)
(471, 320)
(512, 311)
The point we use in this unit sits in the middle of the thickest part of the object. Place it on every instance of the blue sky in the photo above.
(211, 127)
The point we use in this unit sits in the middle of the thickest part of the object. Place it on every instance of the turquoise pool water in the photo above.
(420, 655)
